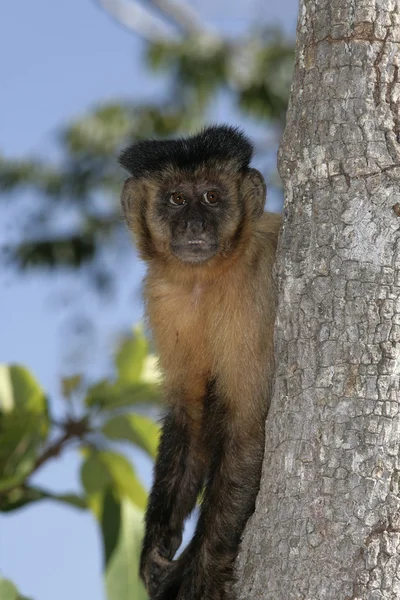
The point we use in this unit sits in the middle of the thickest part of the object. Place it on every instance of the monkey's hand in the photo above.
(168, 586)
(156, 564)
(156, 572)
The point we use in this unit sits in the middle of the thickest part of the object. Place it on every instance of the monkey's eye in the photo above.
(177, 199)
(211, 197)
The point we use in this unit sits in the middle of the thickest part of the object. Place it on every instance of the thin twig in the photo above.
(72, 430)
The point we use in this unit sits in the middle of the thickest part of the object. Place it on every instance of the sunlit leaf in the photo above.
(122, 570)
(151, 372)
(23, 390)
(137, 377)
(130, 357)
(24, 424)
(138, 429)
(6, 390)
(125, 478)
(105, 469)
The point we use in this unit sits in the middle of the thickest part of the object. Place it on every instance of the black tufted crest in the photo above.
(211, 147)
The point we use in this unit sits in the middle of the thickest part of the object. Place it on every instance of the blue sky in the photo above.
(58, 60)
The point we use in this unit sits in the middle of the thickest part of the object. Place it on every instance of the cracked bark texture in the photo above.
(327, 521)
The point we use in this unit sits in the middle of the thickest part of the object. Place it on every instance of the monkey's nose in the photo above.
(195, 227)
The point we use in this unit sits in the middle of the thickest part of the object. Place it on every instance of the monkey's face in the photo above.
(197, 217)
(193, 216)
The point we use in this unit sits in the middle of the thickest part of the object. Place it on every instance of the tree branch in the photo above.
(72, 429)
(181, 14)
(137, 19)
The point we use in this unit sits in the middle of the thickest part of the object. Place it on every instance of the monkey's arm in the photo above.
(229, 502)
(206, 566)
(178, 477)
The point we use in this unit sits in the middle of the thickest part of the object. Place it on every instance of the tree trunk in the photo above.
(327, 522)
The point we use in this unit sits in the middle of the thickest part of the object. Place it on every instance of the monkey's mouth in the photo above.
(194, 250)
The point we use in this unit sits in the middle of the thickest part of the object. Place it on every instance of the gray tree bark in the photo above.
(327, 522)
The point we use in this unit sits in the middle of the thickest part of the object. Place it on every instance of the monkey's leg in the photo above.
(237, 451)
(178, 477)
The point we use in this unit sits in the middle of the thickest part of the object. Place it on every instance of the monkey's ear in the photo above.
(134, 207)
(254, 191)
(128, 195)
(133, 198)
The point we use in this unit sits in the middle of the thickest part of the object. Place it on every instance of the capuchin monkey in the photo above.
(196, 209)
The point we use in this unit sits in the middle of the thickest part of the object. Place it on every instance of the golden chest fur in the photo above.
(202, 332)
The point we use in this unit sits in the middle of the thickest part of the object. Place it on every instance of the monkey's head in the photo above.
(194, 199)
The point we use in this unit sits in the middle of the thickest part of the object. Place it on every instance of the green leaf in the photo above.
(102, 470)
(138, 429)
(95, 475)
(21, 496)
(122, 567)
(19, 389)
(6, 390)
(137, 381)
(110, 519)
(130, 357)
(151, 372)
(111, 396)
(118, 500)
(13, 481)
(8, 591)
(24, 423)
(125, 478)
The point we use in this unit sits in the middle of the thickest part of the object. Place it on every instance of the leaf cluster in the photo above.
(101, 420)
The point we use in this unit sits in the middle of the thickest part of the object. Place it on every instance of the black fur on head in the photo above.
(211, 147)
